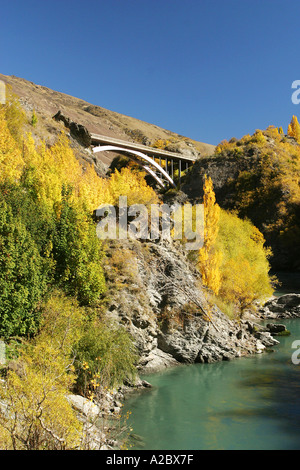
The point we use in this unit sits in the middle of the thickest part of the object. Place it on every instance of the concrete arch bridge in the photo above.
(160, 164)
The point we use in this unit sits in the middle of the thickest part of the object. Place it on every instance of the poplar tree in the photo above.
(294, 128)
(209, 258)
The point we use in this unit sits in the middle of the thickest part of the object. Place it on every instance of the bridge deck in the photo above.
(155, 152)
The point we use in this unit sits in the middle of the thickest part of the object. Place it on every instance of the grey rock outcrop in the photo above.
(286, 306)
(84, 406)
(169, 317)
(184, 148)
(78, 131)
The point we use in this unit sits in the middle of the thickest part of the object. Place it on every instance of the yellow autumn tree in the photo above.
(93, 190)
(54, 167)
(131, 184)
(161, 143)
(48, 169)
(294, 128)
(244, 270)
(233, 260)
(14, 115)
(11, 160)
(209, 257)
(35, 413)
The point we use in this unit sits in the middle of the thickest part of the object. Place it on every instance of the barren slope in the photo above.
(96, 119)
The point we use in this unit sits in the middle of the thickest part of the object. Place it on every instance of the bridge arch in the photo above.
(144, 157)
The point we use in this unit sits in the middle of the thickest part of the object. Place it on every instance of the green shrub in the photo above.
(62, 322)
(105, 353)
(34, 119)
(36, 217)
(78, 254)
(22, 277)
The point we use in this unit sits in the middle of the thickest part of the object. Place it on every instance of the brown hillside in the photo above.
(47, 103)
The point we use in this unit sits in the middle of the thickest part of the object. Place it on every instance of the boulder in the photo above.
(84, 406)
(285, 306)
(289, 300)
(275, 328)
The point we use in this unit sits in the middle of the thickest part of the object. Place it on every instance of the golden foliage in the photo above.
(209, 257)
(223, 145)
(233, 261)
(294, 129)
(14, 115)
(161, 143)
(56, 166)
(11, 161)
(36, 413)
(244, 268)
(131, 184)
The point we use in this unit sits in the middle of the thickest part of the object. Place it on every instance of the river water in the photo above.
(248, 403)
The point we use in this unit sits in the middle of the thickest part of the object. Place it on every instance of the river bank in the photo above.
(195, 342)
(248, 403)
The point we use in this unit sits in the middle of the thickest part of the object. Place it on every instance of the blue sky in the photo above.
(207, 69)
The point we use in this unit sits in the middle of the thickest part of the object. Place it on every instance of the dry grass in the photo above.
(47, 102)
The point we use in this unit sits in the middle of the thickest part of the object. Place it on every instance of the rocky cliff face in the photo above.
(161, 302)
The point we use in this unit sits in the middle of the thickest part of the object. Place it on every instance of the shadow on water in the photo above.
(278, 397)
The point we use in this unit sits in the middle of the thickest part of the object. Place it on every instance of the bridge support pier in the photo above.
(179, 172)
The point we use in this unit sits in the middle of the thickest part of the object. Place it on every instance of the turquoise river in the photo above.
(250, 403)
